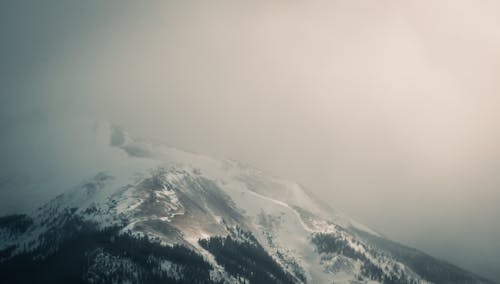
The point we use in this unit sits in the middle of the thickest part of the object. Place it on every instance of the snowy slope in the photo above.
(196, 208)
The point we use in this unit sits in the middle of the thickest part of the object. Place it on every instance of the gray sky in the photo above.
(388, 110)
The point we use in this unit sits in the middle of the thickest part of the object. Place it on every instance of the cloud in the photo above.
(387, 110)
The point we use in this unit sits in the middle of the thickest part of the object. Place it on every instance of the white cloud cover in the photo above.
(386, 109)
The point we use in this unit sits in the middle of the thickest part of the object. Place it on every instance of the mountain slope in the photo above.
(165, 215)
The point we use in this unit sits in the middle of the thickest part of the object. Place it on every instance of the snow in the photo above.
(118, 194)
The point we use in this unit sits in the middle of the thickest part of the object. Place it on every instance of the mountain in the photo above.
(167, 216)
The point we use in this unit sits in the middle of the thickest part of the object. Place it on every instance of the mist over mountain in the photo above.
(385, 111)
(159, 214)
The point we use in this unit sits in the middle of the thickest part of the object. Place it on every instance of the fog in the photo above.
(387, 110)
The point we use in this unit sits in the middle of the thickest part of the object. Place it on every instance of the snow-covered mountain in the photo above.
(162, 215)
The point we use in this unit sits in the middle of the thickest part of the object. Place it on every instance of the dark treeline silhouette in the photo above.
(245, 257)
(66, 255)
(330, 243)
(428, 267)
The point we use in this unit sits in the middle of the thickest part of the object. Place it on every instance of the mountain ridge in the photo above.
(167, 209)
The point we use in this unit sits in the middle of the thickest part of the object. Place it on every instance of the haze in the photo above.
(388, 110)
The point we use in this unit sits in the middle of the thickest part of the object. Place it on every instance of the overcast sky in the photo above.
(388, 110)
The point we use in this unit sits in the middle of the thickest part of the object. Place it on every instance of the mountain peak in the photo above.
(162, 214)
